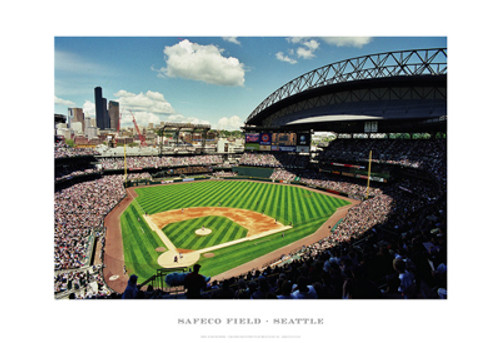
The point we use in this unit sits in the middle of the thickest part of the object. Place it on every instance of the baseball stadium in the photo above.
(284, 216)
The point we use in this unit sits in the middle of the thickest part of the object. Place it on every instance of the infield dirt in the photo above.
(254, 222)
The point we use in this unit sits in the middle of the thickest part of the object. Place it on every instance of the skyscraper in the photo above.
(114, 114)
(76, 115)
(106, 115)
(101, 111)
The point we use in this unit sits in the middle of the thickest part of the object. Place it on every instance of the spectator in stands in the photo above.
(242, 291)
(132, 290)
(226, 292)
(195, 283)
(407, 285)
(263, 291)
(303, 290)
(285, 290)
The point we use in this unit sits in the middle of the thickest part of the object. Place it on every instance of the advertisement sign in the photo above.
(252, 141)
(347, 165)
(287, 148)
(252, 146)
(252, 137)
(284, 139)
(265, 138)
(265, 148)
(302, 149)
(304, 139)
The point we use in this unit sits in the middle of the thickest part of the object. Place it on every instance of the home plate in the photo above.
(168, 259)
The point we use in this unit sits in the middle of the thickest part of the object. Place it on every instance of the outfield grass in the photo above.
(307, 211)
(139, 243)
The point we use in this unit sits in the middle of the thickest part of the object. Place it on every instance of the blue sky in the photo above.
(215, 80)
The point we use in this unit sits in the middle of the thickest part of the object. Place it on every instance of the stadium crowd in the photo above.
(83, 283)
(424, 154)
(78, 211)
(68, 173)
(138, 176)
(274, 160)
(62, 150)
(160, 162)
(354, 188)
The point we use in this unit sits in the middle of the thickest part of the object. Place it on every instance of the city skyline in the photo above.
(207, 80)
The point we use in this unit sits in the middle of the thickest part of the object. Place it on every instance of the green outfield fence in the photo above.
(257, 172)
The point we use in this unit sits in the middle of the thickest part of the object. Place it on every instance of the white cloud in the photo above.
(59, 101)
(296, 40)
(306, 49)
(151, 102)
(89, 108)
(356, 42)
(231, 123)
(311, 44)
(282, 57)
(149, 107)
(203, 63)
(232, 40)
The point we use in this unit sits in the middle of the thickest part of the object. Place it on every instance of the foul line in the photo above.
(168, 243)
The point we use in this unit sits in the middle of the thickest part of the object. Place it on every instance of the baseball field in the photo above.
(218, 224)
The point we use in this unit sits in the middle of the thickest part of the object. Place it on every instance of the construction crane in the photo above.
(141, 137)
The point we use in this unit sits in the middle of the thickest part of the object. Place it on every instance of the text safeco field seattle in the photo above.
(250, 321)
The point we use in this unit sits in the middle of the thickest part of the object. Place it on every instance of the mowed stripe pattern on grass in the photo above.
(285, 203)
(182, 234)
(305, 209)
(139, 243)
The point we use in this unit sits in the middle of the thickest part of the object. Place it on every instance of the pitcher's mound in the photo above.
(161, 249)
(209, 254)
(203, 231)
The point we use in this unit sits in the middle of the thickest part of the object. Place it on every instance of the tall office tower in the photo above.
(114, 114)
(106, 114)
(76, 115)
(100, 108)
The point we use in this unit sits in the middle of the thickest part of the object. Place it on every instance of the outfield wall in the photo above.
(257, 172)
